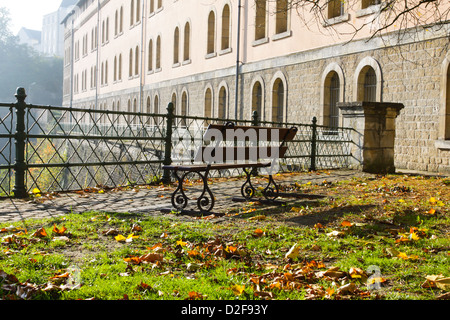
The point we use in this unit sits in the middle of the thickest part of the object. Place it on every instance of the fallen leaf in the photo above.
(40, 233)
(258, 233)
(152, 257)
(237, 289)
(439, 281)
(258, 218)
(59, 231)
(335, 234)
(293, 252)
(120, 238)
(346, 223)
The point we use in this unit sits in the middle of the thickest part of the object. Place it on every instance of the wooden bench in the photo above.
(231, 146)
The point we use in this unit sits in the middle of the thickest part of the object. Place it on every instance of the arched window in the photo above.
(131, 63)
(138, 11)
(211, 33)
(332, 97)
(132, 13)
(368, 81)
(260, 19)
(184, 107)
(102, 77)
(106, 72)
(187, 42)
(222, 114)
(335, 8)
(136, 61)
(278, 101)
(152, 6)
(282, 16)
(120, 67)
(370, 85)
(103, 32)
(368, 3)
(208, 103)
(107, 30)
(176, 46)
(257, 99)
(121, 20)
(150, 55)
(158, 53)
(159, 4)
(156, 104)
(116, 23)
(115, 69)
(226, 27)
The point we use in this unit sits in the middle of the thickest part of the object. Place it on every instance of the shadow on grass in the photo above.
(328, 216)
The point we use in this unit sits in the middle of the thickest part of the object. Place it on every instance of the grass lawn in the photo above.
(385, 238)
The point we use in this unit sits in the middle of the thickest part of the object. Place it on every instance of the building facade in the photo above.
(52, 37)
(219, 59)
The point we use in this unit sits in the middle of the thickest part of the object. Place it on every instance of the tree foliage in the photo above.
(21, 66)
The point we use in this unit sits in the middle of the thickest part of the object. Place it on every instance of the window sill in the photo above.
(158, 70)
(282, 35)
(186, 62)
(370, 10)
(260, 42)
(225, 51)
(211, 55)
(176, 65)
(442, 144)
(343, 18)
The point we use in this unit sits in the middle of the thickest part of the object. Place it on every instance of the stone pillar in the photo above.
(373, 135)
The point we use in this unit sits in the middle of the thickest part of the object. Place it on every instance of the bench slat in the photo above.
(223, 154)
(217, 166)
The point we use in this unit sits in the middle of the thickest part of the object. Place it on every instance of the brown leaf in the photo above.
(59, 231)
(40, 233)
(152, 257)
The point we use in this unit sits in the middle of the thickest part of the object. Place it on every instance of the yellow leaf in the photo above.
(120, 238)
(181, 243)
(401, 200)
(402, 255)
(432, 200)
(414, 236)
(36, 191)
(237, 289)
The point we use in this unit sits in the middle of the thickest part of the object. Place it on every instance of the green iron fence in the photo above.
(57, 149)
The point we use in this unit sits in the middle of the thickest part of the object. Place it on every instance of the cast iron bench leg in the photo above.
(272, 191)
(247, 189)
(179, 201)
(205, 202)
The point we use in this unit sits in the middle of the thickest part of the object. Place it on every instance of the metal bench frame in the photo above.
(205, 202)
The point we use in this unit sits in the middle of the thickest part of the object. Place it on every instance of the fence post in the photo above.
(20, 166)
(168, 141)
(255, 120)
(313, 145)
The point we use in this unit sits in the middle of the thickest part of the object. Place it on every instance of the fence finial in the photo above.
(20, 94)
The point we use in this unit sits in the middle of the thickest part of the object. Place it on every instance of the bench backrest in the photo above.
(234, 143)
